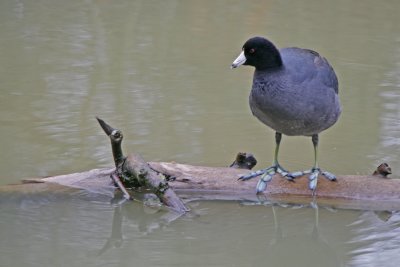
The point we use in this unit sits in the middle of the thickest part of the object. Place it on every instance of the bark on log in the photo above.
(220, 183)
(349, 191)
(210, 183)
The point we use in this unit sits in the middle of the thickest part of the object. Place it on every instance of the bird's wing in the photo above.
(308, 66)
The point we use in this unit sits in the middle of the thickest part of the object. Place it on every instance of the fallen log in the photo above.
(220, 183)
(374, 192)
(349, 191)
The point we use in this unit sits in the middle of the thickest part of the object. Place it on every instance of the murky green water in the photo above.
(86, 230)
(159, 70)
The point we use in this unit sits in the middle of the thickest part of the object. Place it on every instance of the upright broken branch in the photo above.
(134, 172)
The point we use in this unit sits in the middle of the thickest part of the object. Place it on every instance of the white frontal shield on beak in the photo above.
(239, 60)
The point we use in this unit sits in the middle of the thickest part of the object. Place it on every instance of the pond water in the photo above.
(86, 230)
(159, 70)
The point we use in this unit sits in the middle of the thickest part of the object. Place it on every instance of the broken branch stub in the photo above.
(134, 172)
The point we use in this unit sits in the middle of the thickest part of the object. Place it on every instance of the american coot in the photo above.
(295, 92)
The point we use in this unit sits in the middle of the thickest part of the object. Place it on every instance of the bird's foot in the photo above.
(313, 176)
(266, 177)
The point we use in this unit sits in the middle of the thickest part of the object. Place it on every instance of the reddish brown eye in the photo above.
(252, 50)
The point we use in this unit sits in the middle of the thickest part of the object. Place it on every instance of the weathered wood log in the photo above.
(220, 183)
(215, 178)
(212, 183)
(349, 191)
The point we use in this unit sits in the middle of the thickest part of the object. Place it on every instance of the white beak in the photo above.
(239, 60)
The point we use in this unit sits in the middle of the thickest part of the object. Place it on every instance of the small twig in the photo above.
(118, 182)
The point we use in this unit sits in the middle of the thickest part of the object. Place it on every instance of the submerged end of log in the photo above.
(216, 183)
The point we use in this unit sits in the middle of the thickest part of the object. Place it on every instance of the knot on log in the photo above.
(244, 160)
(383, 170)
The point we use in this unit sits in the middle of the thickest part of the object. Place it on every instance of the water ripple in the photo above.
(377, 240)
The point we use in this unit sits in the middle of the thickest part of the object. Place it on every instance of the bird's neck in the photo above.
(265, 74)
(271, 60)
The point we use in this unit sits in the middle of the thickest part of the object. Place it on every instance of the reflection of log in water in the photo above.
(151, 221)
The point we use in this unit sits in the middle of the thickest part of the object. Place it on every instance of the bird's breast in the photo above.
(288, 111)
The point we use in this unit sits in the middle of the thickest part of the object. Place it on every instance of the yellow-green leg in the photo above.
(269, 172)
(315, 170)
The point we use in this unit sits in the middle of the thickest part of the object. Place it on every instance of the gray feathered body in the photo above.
(299, 98)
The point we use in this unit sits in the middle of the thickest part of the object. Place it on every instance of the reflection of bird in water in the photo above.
(303, 248)
(295, 92)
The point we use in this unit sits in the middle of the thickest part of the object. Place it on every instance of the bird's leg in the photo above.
(315, 170)
(278, 167)
(269, 172)
(313, 177)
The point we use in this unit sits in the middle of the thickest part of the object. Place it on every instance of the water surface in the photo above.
(159, 70)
